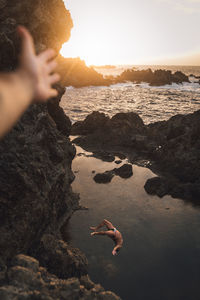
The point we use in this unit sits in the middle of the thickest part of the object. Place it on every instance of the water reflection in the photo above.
(160, 258)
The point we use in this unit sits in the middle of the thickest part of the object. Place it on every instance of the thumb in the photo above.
(27, 41)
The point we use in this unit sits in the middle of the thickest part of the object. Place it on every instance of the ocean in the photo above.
(151, 103)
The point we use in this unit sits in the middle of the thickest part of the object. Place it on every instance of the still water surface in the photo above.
(160, 259)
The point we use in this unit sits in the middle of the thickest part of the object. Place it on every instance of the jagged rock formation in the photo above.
(156, 78)
(74, 72)
(26, 279)
(35, 170)
(172, 146)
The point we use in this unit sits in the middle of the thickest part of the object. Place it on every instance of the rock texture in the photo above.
(172, 147)
(36, 197)
(26, 279)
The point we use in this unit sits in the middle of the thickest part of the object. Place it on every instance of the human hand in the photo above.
(36, 70)
(114, 252)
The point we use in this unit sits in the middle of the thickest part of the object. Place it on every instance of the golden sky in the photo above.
(134, 31)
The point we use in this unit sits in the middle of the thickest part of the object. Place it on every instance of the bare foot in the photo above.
(92, 233)
(93, 228)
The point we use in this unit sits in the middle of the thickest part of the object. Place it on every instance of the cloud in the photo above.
(186, 6)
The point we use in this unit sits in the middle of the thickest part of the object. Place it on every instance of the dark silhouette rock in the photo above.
(122, 130)
(104, 177)
(118, 162)
(93, 122)
(156, 78)
(124, 171)
(104, 156)
(156, 186)
(74, 72)
(171, 146)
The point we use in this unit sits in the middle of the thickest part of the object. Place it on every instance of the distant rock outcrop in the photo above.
(74, 72)
(156, 78)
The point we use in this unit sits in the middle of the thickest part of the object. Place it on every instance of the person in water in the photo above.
(31, 82)
(111, 232)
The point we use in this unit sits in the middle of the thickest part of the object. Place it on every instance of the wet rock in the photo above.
(104, 177)
(125, 171)
(156, 186)
(104, 156)
(118, 162)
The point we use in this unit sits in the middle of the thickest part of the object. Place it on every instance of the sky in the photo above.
(134, 31)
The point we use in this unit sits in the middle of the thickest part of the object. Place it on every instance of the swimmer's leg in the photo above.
(106, 223)
(108, 233)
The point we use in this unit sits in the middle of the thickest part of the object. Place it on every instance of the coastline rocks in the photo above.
(156, 78)
(60, 258)
(26, 279)
(171, 146)
(122, 130)
(74, 72)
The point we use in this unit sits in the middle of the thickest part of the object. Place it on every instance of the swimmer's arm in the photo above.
(114, 252)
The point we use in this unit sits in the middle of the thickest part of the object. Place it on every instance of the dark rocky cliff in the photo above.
(36, 176)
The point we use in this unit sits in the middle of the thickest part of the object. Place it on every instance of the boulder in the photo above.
(125, 171)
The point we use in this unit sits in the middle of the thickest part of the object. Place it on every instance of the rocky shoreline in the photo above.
(170, 148)
(36, 197)
(74, 72)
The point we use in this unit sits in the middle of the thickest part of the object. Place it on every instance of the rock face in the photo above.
(36, 197)
(98, 130)
(35, 158)
(74, 72)
(172, 147)
(26, 279)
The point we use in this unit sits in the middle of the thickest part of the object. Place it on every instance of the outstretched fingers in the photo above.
(27, 42)
(54, 78)
(47, 55)
(51, 66)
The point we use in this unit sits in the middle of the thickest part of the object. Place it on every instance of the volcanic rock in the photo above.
(105, 177)
(124, 171)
